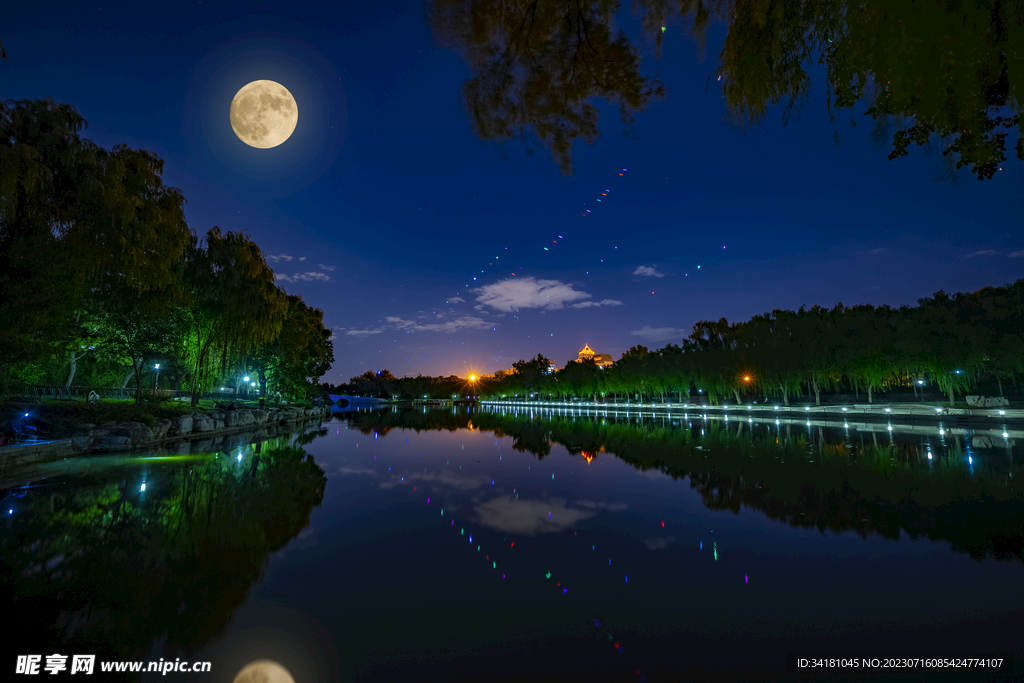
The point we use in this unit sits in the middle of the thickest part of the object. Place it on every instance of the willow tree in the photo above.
(537, 66)
(924, 72)
(296, 359)
(947, 341)
(1003, 313)
(234, 304)
(81, 228)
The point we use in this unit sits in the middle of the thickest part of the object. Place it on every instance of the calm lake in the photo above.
(488, 544)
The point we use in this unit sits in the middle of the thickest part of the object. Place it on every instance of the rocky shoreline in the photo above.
(198, 432)
(124, 436)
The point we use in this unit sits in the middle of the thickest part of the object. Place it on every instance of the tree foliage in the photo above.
(950, 341)
(925, 72)
(96, 255)
(537, 65)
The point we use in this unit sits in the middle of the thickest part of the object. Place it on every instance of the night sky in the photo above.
(384, 210)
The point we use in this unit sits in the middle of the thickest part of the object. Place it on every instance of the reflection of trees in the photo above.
(804, 481)
(310, 436)
(108, 569)
(526, 440)
(946, 72)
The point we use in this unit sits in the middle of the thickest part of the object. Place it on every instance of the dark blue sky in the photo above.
(383, 206)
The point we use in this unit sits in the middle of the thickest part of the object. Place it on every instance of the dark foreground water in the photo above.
(441, 545)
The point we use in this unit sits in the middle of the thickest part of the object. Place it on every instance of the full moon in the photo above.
(264, 671)
(263, 114)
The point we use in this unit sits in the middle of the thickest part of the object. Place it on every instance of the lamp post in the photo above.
(156, 380)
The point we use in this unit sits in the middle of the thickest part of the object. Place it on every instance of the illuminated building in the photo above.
(602, 360)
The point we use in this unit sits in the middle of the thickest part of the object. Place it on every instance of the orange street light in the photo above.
(746, 379)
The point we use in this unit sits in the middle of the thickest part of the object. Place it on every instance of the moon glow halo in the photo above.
(263, 114)
(264, 671)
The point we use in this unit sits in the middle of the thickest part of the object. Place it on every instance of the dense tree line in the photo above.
(101, 277)
(383, 384)
(948, 341)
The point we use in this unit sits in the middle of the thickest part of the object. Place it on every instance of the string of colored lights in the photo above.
(493, 561)
(493, 557)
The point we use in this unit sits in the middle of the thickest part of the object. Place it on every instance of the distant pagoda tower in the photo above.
(603, 360)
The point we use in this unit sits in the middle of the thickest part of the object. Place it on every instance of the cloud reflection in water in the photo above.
(529, 517)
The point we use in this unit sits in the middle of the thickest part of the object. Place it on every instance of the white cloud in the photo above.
(456, 300)
(364, 333)
(323, 267)
(527, 292)
(466, 322)
(314, 276)
(606, 302)
(279, 257)
(650, 271)
(1016, 254)
(656, 334)
(302, 258)
(875, 251)
(983, 252)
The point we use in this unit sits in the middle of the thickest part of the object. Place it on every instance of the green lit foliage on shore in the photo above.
(101, 278)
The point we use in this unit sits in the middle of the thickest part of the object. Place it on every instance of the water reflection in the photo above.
(134, 551)
(884, 480)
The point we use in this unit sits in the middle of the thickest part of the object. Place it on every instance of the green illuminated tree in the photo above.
(234, 305)
(81, 229)
(301, 353)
